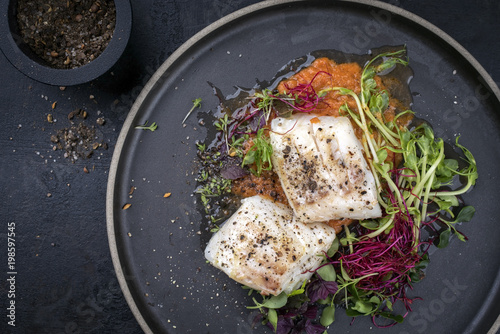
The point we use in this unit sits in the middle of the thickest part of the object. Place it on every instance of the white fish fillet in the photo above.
(322, 169)
(262, 246)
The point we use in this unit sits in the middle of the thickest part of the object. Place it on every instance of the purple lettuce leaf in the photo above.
(233, 171)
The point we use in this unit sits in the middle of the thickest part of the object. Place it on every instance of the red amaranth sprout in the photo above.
(390, 255)
(386, 260)
(301, 98)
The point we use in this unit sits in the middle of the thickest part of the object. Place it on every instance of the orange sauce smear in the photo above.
(267, 185)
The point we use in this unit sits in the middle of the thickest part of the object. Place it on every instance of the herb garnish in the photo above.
(196, 104)
(145, 126)
(259, 154)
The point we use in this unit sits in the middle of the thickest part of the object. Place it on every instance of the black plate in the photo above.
(156, 245)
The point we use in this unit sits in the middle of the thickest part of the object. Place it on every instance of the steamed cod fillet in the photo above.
(263, 247)
(322, 169)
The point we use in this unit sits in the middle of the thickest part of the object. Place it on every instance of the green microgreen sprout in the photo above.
(222, 125)
(214, 220)
(265, 102)
(145, 126)
(236, 146)
(203, 176)
(201, 147)
(196, 104)
(259, 154)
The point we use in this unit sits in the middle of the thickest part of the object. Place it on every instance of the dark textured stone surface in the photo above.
(65, 281)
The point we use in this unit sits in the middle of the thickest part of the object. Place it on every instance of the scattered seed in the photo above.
(126, 206)
(80, 113)
(167, 195)
(72, 114)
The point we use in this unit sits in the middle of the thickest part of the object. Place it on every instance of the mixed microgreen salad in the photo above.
(372, 264)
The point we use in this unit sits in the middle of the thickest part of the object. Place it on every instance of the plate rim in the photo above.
(192, 41)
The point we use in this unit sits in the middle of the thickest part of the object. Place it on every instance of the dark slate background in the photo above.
(65, 281)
